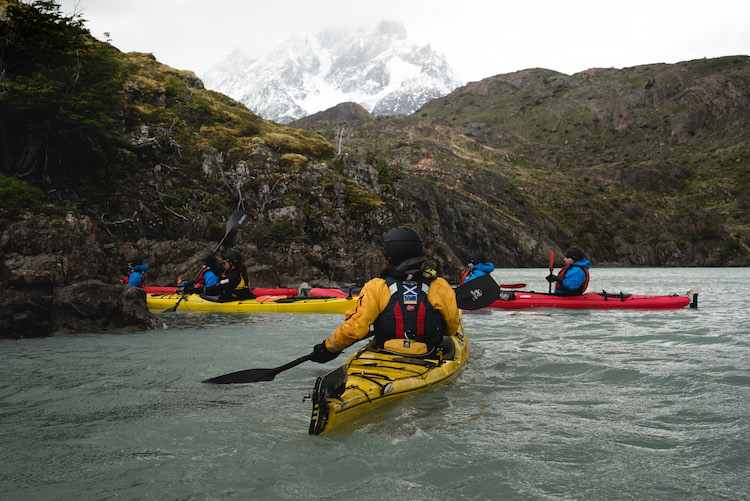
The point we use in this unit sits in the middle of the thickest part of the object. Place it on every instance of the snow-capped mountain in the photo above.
(380, 69)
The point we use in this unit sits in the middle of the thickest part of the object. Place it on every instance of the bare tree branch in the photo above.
(176, 214)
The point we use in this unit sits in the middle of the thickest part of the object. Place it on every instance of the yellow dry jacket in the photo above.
(374, 298)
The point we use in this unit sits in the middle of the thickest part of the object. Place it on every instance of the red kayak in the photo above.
(159, 289)
(258, 291)
(320, 291)
(597, 300)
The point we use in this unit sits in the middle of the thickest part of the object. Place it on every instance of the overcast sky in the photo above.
(478, 38)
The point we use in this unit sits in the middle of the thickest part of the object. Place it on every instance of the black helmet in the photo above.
(402, 243)
(135, 261)
(477, 257)
(233, 257)
(574, 253)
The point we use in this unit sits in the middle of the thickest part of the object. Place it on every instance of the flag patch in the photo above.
(410, 294)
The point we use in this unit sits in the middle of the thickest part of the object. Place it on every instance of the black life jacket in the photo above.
(224, 289)
(409, 315)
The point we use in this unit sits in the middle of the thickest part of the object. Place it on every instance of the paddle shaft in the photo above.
(256, 375)
(294, 363)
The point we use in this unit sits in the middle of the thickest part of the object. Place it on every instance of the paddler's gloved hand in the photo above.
(321, 354)
(553, 278)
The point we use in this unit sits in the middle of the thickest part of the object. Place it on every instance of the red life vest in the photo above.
(583, 286)
(199, 281)
(409, 315)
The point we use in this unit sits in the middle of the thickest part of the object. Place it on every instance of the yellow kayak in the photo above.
(265, 304)
(371, 378)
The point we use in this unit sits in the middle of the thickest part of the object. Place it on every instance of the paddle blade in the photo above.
(236, 219)
(255, 375)
(478, 293)
(246, 376)
(551, 267)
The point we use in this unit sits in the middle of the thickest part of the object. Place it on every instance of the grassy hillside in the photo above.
(642, 165)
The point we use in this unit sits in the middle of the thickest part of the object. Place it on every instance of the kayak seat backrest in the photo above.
(446, 350)
(621, 296)
(406, 347)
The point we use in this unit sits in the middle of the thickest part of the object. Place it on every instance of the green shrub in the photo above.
(284, 232)
(18, 194)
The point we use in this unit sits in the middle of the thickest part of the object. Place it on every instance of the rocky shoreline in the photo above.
(61, 275)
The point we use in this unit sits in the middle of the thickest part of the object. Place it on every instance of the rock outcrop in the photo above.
(41, 309)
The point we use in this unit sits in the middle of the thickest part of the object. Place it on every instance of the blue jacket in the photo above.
(135, 274)
(574, 278)
(209, 278)
(478, 270)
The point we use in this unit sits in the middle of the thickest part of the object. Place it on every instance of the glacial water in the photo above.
(553, 405)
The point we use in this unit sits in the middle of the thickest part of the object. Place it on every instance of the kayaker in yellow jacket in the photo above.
(395, 303)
